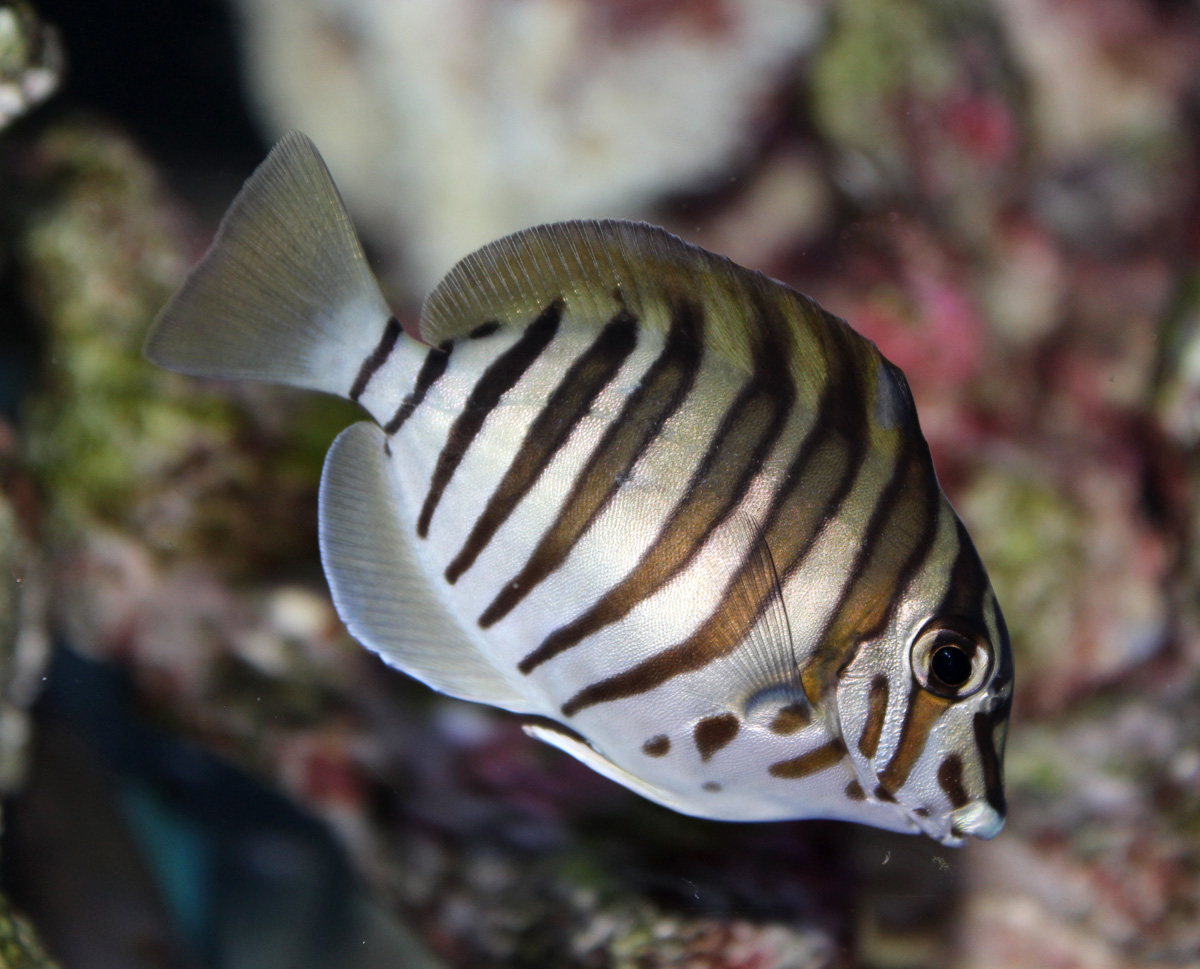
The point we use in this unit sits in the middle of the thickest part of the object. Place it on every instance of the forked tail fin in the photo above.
(284, 293)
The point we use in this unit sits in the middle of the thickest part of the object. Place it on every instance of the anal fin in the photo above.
(378, 586)
(587, 754)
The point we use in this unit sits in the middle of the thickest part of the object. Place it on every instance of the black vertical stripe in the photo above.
(815, 484)
(985, 729)
(749, 430)
(570, 401)
(661, 392)
(496, 380)
(484, 330)
(890, 556)
(967, 596)
(727, 628)
(900, 536)
(877, 704)
(383, 350)
(434, 365)
(1002, 678)
(968, 581)
(950, 780)
(922, 710)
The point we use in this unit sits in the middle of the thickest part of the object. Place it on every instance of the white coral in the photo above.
(448, 124)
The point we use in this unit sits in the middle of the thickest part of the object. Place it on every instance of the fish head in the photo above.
(923, 707)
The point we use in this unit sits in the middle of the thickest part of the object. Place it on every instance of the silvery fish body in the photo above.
(670, 509)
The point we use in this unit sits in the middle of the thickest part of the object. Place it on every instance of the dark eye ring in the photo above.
(951, 659)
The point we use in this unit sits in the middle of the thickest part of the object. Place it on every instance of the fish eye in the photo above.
(951, 658)
(951, 665)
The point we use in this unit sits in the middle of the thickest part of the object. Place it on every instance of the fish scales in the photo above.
(670, 510)
(658, 395)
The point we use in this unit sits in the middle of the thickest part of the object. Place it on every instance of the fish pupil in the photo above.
(951, 665)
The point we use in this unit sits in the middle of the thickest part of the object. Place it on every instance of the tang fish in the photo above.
(669, 509)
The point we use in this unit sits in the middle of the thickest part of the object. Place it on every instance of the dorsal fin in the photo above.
(601, 268)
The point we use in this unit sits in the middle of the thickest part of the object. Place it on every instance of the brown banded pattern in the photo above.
(967, 589)
(877, 703)
(815, 483)
(985, 740)
(484, 330)
(378, 357)
(495, 381)
(921, 712)
(812, 762)
(950, 779)
(899, 536)
(432, 368)
(750, 428)
(661, 392)
(570, 401)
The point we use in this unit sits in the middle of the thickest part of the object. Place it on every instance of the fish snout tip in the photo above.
(977, 820)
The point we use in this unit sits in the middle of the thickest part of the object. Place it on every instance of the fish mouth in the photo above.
(975, 820)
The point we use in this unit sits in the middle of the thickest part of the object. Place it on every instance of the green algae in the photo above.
(20, 947)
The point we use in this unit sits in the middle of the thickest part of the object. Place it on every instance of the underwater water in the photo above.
(202, 769)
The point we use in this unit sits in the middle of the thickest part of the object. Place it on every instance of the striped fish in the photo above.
(670, 510)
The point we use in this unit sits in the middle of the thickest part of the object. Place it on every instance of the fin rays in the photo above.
(284, 293)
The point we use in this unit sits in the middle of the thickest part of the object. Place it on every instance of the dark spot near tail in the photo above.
(657, 746)
(921, 812)
(712, 786)
(713, 733)
(377, 358)
(854, 791)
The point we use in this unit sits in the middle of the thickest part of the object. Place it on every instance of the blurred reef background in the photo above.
(202, 771)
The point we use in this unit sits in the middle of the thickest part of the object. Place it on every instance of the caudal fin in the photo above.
(284, 293)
